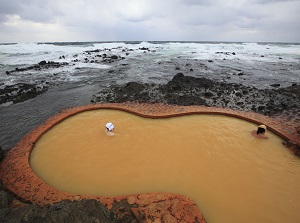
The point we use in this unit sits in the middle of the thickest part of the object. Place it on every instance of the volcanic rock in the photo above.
(187, 90)
(20, 92)
(42, 63)
(64, 211)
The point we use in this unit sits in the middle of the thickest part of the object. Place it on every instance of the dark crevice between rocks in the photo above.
(124, 213)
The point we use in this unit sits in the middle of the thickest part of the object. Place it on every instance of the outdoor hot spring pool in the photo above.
(213, 159)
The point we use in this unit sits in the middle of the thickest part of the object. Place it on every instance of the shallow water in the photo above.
(232, 176)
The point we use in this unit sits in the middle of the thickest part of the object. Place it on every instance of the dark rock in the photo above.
(238, 94)
(64, 211)
(42, 63)
(210, 61)
(123, 212)
(185, 100)
(132, 87)
(1, 154)
(187, 90)
(275, 85)
(5, 199)
(284, 105)
(260, 108)
(114, 57)
(208, 94)
(92, 51)
(226, 53)
(178, 77)
(20, 92)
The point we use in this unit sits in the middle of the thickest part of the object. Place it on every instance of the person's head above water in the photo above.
(109, 126)
(261, 129)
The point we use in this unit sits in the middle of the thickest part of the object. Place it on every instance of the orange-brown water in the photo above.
(232, 176)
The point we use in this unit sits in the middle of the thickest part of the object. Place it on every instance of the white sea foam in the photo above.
(32, 53)
(246, 54)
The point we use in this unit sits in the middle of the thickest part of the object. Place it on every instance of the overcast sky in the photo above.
(142, 20)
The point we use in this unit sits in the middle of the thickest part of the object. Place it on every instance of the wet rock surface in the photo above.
(186, 90)
(20, 92)
(42, 65)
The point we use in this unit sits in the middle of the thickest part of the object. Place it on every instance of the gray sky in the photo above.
(178, 20)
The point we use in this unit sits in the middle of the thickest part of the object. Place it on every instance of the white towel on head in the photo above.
(263, 127)
(109, 126)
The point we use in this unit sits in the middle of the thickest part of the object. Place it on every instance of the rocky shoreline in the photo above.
(282, 104)
(279, 103)
(187, 90)
(20, 92)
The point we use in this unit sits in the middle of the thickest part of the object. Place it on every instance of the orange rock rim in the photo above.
(18, 177)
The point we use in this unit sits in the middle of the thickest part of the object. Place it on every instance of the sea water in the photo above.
(262, 63)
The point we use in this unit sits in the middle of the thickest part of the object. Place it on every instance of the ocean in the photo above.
(84, 68)
(261, 63)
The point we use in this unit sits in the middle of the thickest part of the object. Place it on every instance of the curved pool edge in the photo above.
(18, 177)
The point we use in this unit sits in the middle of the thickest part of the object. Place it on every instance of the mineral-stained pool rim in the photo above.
(18, 177)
